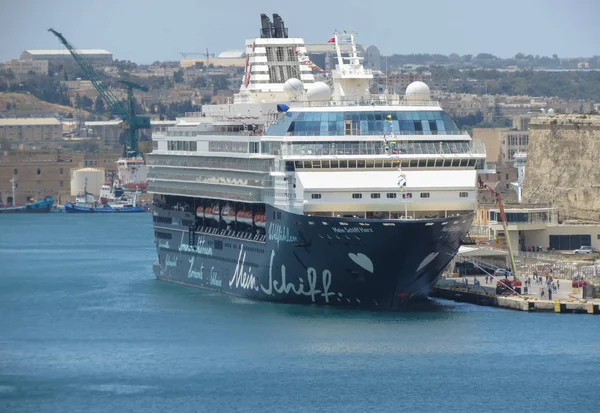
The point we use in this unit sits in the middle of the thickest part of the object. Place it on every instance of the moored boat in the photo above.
(31, 206)
(312, 192)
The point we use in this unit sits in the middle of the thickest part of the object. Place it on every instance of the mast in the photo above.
(13, 184)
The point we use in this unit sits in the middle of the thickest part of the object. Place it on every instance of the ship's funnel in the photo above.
(279, 30)
(265, 31)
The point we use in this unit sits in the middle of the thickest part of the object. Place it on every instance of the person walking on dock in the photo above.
(542, 294)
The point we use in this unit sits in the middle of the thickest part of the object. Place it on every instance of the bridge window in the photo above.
(316, 196)
(391, 195)
(375, 196)
(356, 196)
(463, 194)
(407, 195)
(424, 194)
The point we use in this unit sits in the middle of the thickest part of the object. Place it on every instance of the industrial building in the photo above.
(30, 129)
(92, 55)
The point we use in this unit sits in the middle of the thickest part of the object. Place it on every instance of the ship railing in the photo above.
(391, 100)
(208, 162)
(189, 132)
(389, 135)
(379, 148)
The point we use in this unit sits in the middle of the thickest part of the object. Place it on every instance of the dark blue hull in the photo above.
(101, 209)
(43, 205)
(369, 263)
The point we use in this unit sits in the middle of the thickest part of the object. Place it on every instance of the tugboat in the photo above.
(31, 206)
(110, 201)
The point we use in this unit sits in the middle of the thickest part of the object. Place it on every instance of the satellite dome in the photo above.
(543, 110)
(318, 91)
(417, 91)
(550, 111)
(292, 87)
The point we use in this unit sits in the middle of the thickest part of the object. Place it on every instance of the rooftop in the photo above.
(28, 121)
(580, 119)
(232, 54)
(66, 52)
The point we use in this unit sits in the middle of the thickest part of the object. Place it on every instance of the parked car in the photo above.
(585, 250)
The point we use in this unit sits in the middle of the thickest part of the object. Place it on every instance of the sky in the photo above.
(145, 31)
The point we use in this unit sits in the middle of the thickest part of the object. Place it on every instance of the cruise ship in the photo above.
(308, 188)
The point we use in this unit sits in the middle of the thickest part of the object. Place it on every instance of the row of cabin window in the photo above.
(392, 195)
(414, 163)
(190, 146)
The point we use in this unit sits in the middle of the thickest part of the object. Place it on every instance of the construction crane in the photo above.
(205, 54)
(504, 224)
(131, 122)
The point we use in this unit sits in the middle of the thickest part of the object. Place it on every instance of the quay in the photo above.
(565, 300)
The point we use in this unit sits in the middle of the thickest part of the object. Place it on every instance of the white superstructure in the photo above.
(320, 146)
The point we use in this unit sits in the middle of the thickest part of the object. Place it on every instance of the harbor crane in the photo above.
(131, 122)
(205, 54)
(504, 224)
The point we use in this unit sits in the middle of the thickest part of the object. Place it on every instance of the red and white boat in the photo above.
(133, 173)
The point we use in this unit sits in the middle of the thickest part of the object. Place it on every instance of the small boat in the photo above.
(86, 203)
(71, 207)
(41, 205)
(31, 206)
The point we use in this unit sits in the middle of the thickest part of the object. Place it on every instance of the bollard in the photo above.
(559, 307)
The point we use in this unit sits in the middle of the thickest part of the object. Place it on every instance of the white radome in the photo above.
(550, 111)
(318, 91)
(418, 91)
(293, 87)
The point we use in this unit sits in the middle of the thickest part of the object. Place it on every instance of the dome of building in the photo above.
(292, 87)
(318, 91)
(550, 111)
(418, 91)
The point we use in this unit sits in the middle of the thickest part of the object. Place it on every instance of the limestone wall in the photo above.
(563, 165)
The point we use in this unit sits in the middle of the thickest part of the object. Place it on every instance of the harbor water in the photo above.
(85, 326)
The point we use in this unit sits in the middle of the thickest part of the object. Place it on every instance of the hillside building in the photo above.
(25, 67)
(24, 130)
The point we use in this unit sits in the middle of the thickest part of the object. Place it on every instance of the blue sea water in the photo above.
(85, 327)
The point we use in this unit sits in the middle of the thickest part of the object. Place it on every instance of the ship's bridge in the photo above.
(364, 121)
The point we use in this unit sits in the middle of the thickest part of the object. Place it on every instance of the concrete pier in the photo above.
(564, 301)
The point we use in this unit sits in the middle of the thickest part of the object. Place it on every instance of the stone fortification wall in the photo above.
(563, 165)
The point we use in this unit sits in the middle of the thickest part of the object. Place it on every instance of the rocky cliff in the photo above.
(563, 165)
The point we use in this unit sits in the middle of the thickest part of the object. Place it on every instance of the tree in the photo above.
(87, 103)
(199, 65)
(99, 105)
(178, 76)
(8, 106)
(77, 101)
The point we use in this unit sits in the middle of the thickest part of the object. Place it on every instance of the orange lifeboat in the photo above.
(260, 220)
(244, 217)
